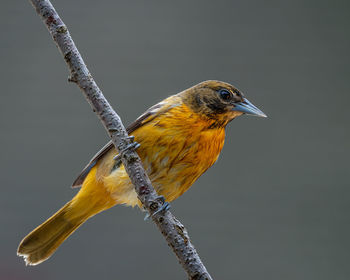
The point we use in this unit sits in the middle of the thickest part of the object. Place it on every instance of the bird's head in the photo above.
(219, 101)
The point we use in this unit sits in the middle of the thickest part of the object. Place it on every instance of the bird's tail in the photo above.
(43, 241)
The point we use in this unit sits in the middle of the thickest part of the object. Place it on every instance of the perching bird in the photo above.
(180, 137)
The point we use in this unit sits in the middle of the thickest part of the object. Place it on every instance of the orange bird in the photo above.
(180, 137)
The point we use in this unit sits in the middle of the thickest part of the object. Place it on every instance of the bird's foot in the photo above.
(132, 146)
(165, 207)
(131, 138)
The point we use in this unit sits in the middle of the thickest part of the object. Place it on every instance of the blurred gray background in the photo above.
(276, 208)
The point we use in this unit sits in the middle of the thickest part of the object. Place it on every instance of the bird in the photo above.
(180, 138)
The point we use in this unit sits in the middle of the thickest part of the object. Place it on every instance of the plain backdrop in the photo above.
(275, 205)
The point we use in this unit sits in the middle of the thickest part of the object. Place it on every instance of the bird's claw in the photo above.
(165, 207)
(131, 138)
(131, 146)
(146, 216)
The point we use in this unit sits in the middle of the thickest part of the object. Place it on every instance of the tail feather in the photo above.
(43, 241)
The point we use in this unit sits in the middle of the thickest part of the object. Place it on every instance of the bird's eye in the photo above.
(225, 94)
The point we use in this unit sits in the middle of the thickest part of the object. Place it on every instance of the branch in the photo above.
(174, 232)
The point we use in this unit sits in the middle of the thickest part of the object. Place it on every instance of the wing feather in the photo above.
(146, 117)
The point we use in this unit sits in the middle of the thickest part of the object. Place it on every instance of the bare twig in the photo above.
(173, 231)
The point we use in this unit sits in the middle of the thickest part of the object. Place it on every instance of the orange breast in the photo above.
(177, 148)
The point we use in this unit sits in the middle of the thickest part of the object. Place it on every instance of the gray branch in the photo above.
(174, 232)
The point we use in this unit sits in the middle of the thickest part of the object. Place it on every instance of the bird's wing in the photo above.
(146, 117)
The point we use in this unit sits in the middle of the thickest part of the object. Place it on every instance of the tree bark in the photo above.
(174, 232)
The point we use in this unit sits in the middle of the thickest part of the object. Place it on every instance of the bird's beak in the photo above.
(248, 108)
